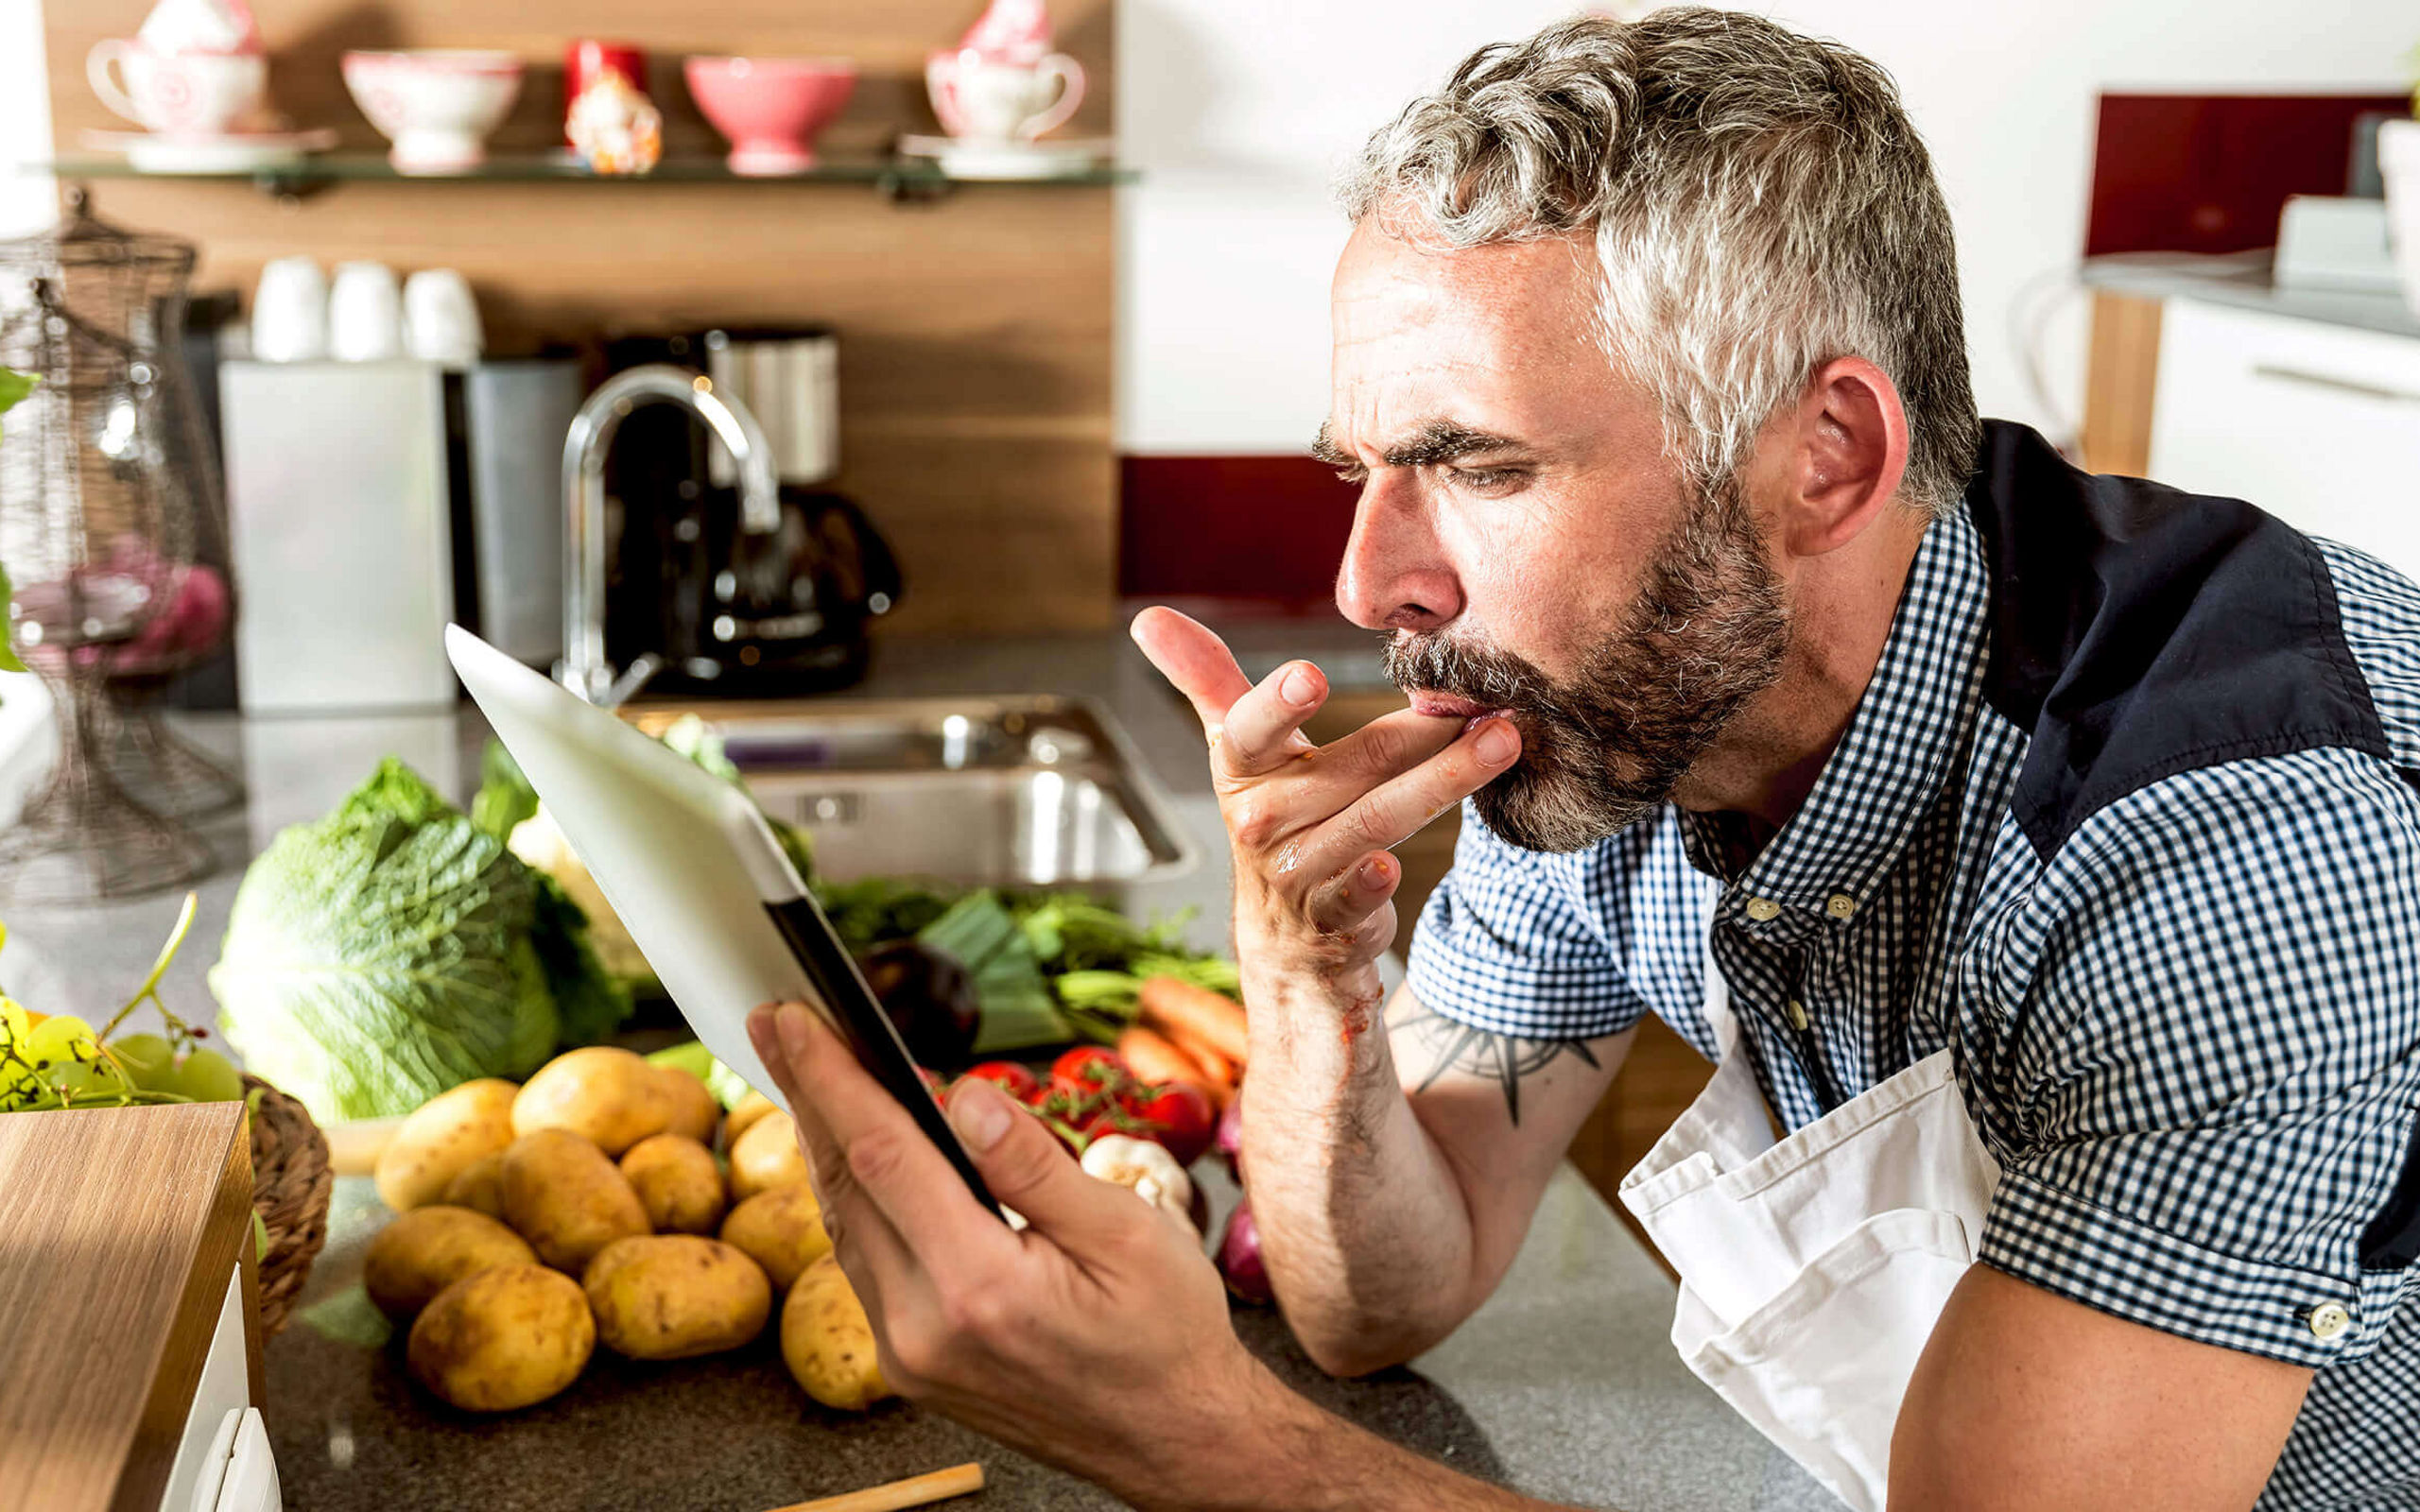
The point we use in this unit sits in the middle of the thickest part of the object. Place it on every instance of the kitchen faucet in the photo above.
(584, 669)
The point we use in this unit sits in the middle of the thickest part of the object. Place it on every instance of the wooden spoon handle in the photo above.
(916, 1491)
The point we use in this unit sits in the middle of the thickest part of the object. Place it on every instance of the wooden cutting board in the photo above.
(119, 1227)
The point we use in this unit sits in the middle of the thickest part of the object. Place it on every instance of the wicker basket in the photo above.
(291, 1179)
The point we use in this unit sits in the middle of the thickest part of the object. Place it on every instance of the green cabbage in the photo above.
(395, 949)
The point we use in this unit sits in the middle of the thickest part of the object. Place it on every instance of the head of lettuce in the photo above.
(396, 948)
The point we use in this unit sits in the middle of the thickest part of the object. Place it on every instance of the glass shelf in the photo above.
(900, 178)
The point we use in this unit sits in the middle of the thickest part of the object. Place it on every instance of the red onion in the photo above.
(1229, 1140)
(1240, 1257)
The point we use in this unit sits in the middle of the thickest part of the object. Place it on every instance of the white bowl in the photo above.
(435, 104)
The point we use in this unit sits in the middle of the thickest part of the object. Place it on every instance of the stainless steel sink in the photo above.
(1017, 791)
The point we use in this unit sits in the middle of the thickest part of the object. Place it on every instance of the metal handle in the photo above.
(2340, 385)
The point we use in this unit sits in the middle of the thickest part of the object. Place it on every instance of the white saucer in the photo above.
(238, 153)
(1050, 158)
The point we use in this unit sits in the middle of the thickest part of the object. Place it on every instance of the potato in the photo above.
(668, 1297)
(479, 1186)
(678, 1182)
(828, 1343)
(750, 1108)
(695, 1112)
(563, 1195)
(425, 1250)
(507, 1337)
(782, 1231)
(440, 1138)
(610, 1098)
(766, 1157)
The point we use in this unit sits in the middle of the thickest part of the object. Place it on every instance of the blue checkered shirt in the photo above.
(2191, 1034)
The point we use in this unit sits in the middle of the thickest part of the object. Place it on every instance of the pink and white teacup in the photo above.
(990, 98)
(181, 95)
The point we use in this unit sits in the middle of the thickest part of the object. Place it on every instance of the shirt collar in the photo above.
(1825, 863)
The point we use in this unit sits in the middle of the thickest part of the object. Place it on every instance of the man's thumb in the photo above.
(1030, 1169)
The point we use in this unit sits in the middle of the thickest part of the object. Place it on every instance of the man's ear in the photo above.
(1842, 457)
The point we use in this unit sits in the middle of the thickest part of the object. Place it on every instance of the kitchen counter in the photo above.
(1565, 1384)
(2245, 284)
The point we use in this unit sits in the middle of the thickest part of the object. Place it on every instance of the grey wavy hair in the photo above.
(1759, 202)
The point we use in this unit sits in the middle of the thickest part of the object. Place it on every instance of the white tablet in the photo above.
(697, 877)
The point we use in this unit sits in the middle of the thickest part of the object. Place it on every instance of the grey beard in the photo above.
(1707, 632)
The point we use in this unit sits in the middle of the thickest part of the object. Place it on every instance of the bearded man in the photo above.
(2035, 852)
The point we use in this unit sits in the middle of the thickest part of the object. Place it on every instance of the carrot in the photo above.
(1157, 1060)
(1184, 1012)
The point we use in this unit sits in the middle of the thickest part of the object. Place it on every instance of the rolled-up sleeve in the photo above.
(2203, 1088)
(1565, 946)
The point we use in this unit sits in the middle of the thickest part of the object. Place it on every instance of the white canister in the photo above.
(365, 314)
(442, 319)
(291, 312)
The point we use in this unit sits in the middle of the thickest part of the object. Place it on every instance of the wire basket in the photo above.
(105, 483)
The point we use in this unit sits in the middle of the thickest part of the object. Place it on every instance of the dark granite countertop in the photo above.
(1565, 1384)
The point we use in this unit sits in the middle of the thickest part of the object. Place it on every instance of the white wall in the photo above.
(28, 202)
(1240, 111)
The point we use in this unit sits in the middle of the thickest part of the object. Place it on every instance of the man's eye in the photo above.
(1487, 479)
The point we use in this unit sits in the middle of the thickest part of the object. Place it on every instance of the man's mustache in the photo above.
(1435, 664)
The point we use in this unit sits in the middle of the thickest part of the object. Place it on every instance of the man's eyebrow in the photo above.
(1433, 442)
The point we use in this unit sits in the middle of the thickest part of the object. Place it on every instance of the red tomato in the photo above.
(1089, 1073)
(1009, 1076)
(1089, 1066)
(1111, 1120)
(1182, 1117)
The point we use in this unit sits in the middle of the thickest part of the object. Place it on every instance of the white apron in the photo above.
(1813, 1269)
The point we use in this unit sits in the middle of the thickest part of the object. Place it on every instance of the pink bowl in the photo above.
(770, 107)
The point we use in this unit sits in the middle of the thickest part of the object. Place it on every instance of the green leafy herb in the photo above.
(695, 1058)
(349, 1317)
(1018, 1010)
(504, 796)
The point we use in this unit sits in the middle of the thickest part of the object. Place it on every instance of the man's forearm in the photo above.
(1364, 1227)
(1290, 1456)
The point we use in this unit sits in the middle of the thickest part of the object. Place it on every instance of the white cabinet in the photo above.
(2318, 424)
(223, 1462)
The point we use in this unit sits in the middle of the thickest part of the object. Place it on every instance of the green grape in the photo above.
(150, 1060)
(207, 1076)
(55, 1056)
(14, 1021)
(57, 1040)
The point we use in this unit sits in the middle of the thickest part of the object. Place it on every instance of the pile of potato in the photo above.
(589, 1204)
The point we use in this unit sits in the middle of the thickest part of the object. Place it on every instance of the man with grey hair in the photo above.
(2035, 852)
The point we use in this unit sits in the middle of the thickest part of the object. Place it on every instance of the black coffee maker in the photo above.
(733, 615)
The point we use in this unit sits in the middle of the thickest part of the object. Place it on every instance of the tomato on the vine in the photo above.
(1088, 1069)
(1112, 1120)
(1182, 1117)
(1009, 1076)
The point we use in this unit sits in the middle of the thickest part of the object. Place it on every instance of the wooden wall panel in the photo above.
(2122, 378)
(974, 330)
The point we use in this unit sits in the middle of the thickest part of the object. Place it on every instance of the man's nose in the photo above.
(1392, 577)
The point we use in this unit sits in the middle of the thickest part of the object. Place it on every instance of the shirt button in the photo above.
(1839, 906)
(1798, 1021)
(2329, 1321)
(1763, 910)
